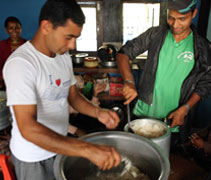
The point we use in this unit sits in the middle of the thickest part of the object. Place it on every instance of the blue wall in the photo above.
(27, 11)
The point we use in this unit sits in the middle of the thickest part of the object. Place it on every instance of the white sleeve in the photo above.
(20, 78)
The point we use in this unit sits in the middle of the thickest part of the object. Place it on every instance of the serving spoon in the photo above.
(128, 119)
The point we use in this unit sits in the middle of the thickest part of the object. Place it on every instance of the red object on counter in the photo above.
(116, 89)
(6, 167)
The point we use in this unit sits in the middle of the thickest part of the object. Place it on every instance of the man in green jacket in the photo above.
(177, 71)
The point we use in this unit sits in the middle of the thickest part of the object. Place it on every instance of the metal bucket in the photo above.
(163, 141)
(143, 153)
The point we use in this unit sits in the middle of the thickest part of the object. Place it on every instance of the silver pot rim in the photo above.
(92, 137)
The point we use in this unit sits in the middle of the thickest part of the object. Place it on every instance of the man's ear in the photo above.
(46, 26)
(194, 13)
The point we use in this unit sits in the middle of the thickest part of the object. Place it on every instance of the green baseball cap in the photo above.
(183, 6)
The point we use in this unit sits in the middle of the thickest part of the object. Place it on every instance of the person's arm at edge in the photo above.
(179, 115)
(129, 89)
(123, 62)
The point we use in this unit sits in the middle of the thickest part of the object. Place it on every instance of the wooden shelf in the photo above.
(97, 70)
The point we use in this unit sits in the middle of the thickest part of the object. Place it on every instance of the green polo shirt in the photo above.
(176, 60)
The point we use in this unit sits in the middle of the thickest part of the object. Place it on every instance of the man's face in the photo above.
(14, 30)
(180, 23)
(63, 38)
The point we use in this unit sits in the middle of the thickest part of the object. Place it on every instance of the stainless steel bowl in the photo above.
(108, 63)
(143, 153)
(78, 59)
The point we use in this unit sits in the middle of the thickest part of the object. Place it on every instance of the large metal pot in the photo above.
(143, 153)
(163, 140)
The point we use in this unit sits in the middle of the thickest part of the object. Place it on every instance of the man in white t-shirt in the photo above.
(40, 87)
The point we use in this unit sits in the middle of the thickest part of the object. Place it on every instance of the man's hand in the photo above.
(129, 92)
(99, 87)
(178, 116)
(109, 118)
(104, 157)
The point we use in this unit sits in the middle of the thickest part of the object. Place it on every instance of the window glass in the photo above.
(138, 17)
(88, 39)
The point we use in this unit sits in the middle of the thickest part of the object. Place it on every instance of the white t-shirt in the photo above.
(34, 78)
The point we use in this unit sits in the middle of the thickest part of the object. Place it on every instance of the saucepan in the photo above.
(142, 152)
(78, 58)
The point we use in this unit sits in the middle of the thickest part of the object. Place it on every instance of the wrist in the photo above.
(187, 107)
(97, 112)
(129, 81)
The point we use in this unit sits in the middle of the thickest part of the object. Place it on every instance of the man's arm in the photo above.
(129, 90)
(179, 114)
(82, 105)
(33, 131)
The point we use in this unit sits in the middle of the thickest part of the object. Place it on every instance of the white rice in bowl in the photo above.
(148, 129)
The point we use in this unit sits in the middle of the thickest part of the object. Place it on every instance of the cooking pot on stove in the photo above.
(143, 153)
(161, 135)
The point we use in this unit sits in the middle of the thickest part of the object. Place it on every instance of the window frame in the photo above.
(99, 20)
(135, 2)
(100, 17)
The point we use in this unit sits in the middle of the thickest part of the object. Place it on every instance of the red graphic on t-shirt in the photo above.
(58, 82)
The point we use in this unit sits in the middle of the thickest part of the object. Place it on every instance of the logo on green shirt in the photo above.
(186, 56)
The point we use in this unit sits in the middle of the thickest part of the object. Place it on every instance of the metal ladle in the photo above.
(128, 119)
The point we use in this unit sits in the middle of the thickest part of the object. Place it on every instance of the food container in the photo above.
(78, 59)
(116, 89)
(109, 63)
(143, 153)
(153, 129)
(91, 62)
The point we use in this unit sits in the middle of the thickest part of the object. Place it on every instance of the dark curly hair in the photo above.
(12, 19)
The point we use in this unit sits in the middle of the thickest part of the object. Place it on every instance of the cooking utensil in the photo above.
(143, 153)
(123, 167)
(78, 58)
(168, 121)
(163, 141)
(109, 63)
(128, 119)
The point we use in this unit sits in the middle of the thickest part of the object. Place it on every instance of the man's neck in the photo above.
(39, 44)
(180, 37)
